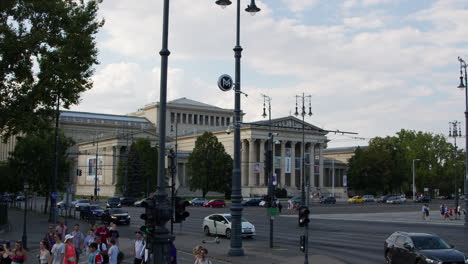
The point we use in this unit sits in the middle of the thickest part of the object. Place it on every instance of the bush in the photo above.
(281, 193)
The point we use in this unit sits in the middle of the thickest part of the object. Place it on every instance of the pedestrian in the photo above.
(5, 257)
(202, 256)
(114, 233)
(425, 212)
(70, 251)
(102, 248)
(44, 252)
(61, 228)
(279, 205)
(173, 253)
(49, 236)
(113, 252)
(103, 232)
(458, 212)
(139, 248)
(442, 211)
(88, 240)
(18, 254)
(94, 256)
(58, 251)
(78, 241)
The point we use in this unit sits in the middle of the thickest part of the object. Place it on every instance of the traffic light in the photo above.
(303, 243)
(180, 212)
(80, 172)
(149, 217)
(303, 216)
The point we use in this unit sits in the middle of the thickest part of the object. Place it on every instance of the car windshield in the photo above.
(95, 207)
(228, 217)
(423, 243)
(113, 200)
(83, 201)
(118, 211)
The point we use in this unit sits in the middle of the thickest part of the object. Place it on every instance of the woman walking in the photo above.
(70, 251)
(202, 256)
(44, 252)
(19, 254)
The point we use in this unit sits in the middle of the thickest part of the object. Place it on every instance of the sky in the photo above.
(372, 67)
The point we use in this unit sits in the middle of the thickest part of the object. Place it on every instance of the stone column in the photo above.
(251, 162)
(245, 163)
(293, 163)
(282, 167)
(321, 176)
(261, 178)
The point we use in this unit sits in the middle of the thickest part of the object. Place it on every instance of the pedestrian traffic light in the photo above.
(303, 243)
(180, 211)
(303, 216)
(149, 217)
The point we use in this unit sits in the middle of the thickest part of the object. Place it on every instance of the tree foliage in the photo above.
(47, 48)
(386, 164)
(33, 161)
(210, 166)
(142, 169)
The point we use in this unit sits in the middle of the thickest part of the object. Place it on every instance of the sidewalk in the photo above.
(254, 252)
(392, 217)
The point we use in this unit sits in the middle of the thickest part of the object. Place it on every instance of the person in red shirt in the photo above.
(103, 232)
(70, 253)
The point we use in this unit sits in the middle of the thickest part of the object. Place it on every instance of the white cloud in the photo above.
(362, 22)
(299, 5)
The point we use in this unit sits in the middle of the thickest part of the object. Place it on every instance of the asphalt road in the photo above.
(354, 242)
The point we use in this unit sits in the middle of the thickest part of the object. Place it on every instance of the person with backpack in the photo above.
(94, 256)
(102, 249)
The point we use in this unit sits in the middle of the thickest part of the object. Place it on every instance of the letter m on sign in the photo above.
(226, 83)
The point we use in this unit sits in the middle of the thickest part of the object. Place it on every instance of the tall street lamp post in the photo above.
(462, 86)
(455, 131)
(161, 238)
(24, 238)
(236, 195)
(414, 180)
(53, 196)
(173, 173)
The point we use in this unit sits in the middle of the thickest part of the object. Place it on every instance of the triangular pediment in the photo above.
(289, 122)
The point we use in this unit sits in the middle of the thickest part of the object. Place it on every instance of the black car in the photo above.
(420, 248)
(252, 202)
(127, 201)
(198, 201)
(328, 200)
(423, 199)
(116, 215)
(113, 202)
(384, 198)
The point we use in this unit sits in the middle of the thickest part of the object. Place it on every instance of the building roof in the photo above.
(343, 149)
(276, 122)
(103, 116)
(186, 101)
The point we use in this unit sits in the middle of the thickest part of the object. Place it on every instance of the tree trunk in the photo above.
(46, 202)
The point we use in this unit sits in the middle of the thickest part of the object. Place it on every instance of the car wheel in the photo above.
(206, 230)
(228, 233)
(388, 258)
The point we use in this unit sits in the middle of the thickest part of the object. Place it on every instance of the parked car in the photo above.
(215, 203)
(198, 201)
(295, 200)
(423, 199)
(327, 200)
(140, 202)
(396, 200)
(62, 204)
(81, 203)
(93, 210)
(129, 201)
(252, 202)
(368, 198)
(116, 215)
(220, 224)
(20, 198)
(113, 202)
(420, 248)
(383, 199)
(356, 199)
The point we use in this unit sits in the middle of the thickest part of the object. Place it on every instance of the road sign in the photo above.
(225, 82)
(54, 195)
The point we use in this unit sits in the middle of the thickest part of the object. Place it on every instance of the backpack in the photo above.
(98, 259)
(120, 257)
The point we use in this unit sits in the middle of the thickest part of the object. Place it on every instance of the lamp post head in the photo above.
(264, 113)
(252, 8)
(462, 85)
(223, 3)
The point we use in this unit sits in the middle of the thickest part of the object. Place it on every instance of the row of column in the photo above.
(253, 173)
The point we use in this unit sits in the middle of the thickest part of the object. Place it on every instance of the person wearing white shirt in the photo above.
(139, 249)
(113, 252)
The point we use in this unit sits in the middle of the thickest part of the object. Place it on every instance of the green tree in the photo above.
(33, 161)
(210, 166)
(142, 168)
(47, 48)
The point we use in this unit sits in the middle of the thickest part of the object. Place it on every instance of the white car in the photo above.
(81, 203)
(220, 224)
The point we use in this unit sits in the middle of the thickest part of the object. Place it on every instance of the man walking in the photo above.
(78, 241)
(139, 248)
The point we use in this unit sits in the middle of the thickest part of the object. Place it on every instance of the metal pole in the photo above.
(466, 145)
(96, 171)
(414, 186)
(456, 178)
(236, 195)
(53, 199)
(24, 238)
(333, 177)
(306, 249)
(172, 182)
(161, 240)
(303, 194)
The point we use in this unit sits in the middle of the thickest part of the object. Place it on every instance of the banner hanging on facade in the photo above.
(287, 165)
(345, 181)
(256, 168)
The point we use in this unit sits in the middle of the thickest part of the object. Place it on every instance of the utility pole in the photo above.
(96, 170)
(455, 131)
(414, 179)
(54, 195)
